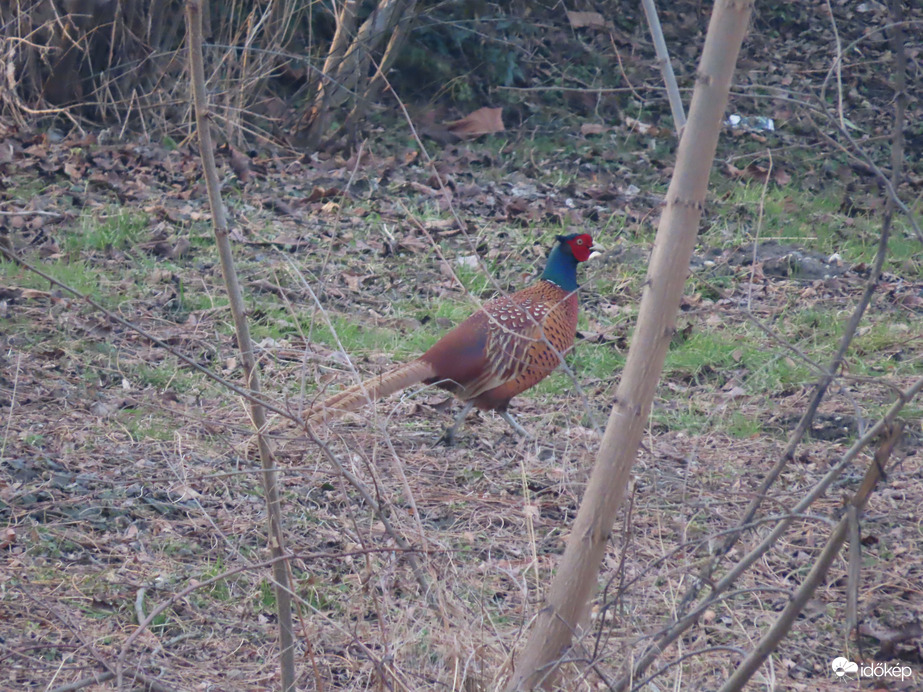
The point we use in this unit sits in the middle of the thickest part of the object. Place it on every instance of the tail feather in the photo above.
(374, 389)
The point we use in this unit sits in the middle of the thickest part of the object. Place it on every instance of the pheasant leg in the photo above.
(448, 437)
(505, 415)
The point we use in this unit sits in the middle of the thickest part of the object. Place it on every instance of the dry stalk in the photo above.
(783, 624)
(804, 424)
(828, 375)
(121, 64)
(837, 68)
(853, 571)
(281, 576)
(95, 679)
(408, 494)
(9, 417)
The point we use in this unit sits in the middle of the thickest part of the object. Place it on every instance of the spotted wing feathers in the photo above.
(512, 343)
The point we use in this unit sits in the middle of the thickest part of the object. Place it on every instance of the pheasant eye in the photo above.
(579, 241)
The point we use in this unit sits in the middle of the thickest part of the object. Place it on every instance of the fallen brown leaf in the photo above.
(483, 121)
(593, 129)
(580, 20)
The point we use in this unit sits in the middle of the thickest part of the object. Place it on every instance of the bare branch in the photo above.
(666, 67)
(783, 624)
(281, 575)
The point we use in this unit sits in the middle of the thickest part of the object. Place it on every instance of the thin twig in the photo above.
(666, 67)
(775, 634)
(853, 572)
(837, 67)
(31, 212)
(759, 229)
(281, 576)
(671, 633)
(679, 659)
(9, 417)
(95, 679)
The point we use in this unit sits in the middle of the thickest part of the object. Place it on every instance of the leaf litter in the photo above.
(120, 471)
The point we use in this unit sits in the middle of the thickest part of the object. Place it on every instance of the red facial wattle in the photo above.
(581, 247)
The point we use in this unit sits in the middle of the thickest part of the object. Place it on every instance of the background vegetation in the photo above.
(125, 477)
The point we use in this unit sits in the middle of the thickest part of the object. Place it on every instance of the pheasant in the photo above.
(511, 344)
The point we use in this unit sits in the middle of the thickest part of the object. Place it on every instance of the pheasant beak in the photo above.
(596, 251)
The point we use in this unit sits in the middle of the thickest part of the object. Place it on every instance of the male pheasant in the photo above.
(511, 344)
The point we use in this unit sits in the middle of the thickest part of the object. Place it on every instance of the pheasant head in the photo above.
(567, 253)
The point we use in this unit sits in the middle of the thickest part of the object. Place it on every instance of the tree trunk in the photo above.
(564, 613)
(398, 37)
(347, 63)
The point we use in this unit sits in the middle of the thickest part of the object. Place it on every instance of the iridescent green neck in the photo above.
(561, 269)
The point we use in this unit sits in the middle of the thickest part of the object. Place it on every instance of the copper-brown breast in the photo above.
(507, 346)
(529, 334)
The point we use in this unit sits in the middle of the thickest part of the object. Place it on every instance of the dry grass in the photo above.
(122, 474)
(156, 491)
(133, 513)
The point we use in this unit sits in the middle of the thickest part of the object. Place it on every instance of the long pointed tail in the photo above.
(374, 389)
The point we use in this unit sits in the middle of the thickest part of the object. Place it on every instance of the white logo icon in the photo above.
(841, 666)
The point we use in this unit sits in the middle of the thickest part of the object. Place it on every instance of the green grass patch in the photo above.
(354, 337)
(77, 274)
(144, 426)
(266, 597)
(219, 590)
(24, 189)
(743, 426)
(891, 347)
(114, 228)
(168, 374)
(679, 414)
(810, 219)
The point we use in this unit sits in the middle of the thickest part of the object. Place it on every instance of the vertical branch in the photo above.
(566, 608)
(838, 67)
(327, 86)
(666, 67)
(349, 57)
(244, 343)
(398, 37)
